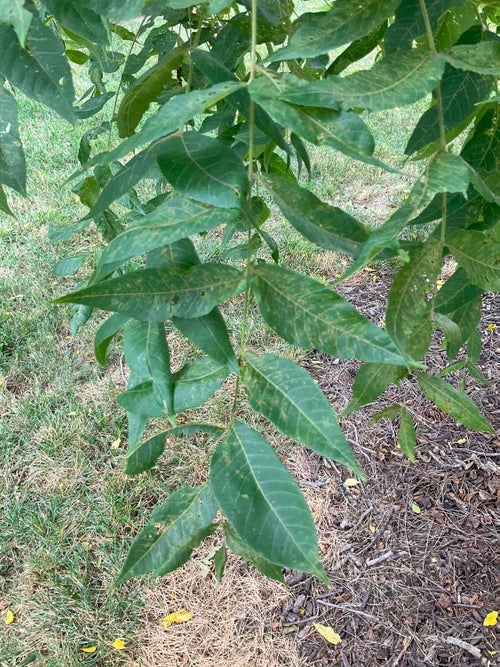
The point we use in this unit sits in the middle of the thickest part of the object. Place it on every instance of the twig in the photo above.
(380, 559)
(473, 650)
(492, 455)
(349, 610)
(314, 485)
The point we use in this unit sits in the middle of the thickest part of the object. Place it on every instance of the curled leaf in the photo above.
(180, 616)
(119, 644)
(9, 617)
(491, 619)
(89, 649)
(328, 633)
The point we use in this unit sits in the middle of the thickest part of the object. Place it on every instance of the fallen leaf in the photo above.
(492, 652)
(350, 481)
(119, 644)
(461, 441)
(328, 633)
(372, 528)
(491, 619)
(491, 327)
(115, 444)
(415, 508)
(180, 616)
(89, 649)
(9, 617)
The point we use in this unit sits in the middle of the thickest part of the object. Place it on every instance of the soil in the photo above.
(416, 565)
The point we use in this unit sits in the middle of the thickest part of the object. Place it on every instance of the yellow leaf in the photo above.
(461, 441)
(180, 616)
(491, 619)
(492, 652)
(350, 481)
(439, 283)
(89, 649)
(115, 444)
(415, 508)
(9, 617)
(491, 327)
(328, 633)
(372, 528)
(119, 644)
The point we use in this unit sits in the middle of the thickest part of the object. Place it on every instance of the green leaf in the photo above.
(145, 455)
(196, 382)
(137, 99)
(308, 314)
(327, 226)
(241, 549)
(344, 131)
(158, 294)
(263, 502)
(136, 427)
(407, 434)
(173, 531)
(141, 399)
(371, 382)
(79, 19)
(393, 81)
(409, 22)
(408, 300)
(205, 169)
(170, 117)
(220, 562)
(287, 395)
(175, 219)
(12, 13)
(452, 332)
(357, 50)
(483, 58)
(479, 255)
(4, 204)
(322, 32)
(460, 92)
(12, 162)
(456, 292)
(41, 70)
(210, 334)
(453, 402)
(448, 173)
(387, 413)
(105, 334)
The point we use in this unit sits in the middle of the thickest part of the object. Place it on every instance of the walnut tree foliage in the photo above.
(215, 105)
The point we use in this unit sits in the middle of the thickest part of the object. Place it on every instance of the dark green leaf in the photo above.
(105, 334)
(370, 383)
(456, 292)
(196, 382)
(210, 334)
(287, 395)
(80, 19)
(453, 402)
(205, 169)
(407, 434)
(141, 399)
(241, 549)
(171, 534)
(93, 106)
(145, 455)
(357, 50)
(479, 255)
(263, 502)
(69, 265)
(483, 58)
(346, 21)
(308, 314)
(387, 413)
(115, 9)
(158, 294)
(12, 162)
(448, 173)
(4, 204)
(41, 70)
(220, 562)
(12, 13)
(327, 226)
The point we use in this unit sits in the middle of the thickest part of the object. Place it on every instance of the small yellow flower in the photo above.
(491, 327)
(491, 619)
(119, 644)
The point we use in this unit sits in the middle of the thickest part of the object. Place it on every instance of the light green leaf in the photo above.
(241, 549)
(115, 9)
(210, 334)
(40, 70)
(105, 334)
(205, 169)
(173, 531)
(407, 434)
(393, 81)
(346, 21)
(370, 383)
(12, 13)
(479, 255)
(196, 382)
(287, 395)
(327, 226)
(145, 455)
(308, 314)
(483, 57)
(170, 117)
(270, 515)
(4, 204)
(138, 97)
(158, 294)
(175, 219)
(220, 559)
(453, 402)
(408, 300)
(448, 173)
(79, 19)
(12, 162)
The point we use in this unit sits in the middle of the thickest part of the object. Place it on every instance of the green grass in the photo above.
(67, 511)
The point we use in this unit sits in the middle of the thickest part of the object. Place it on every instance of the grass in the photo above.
(67, 511)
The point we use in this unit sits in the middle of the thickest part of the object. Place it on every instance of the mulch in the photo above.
(416, 570)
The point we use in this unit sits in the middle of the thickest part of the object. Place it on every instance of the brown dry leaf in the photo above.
(328, 633)
(180, 616)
